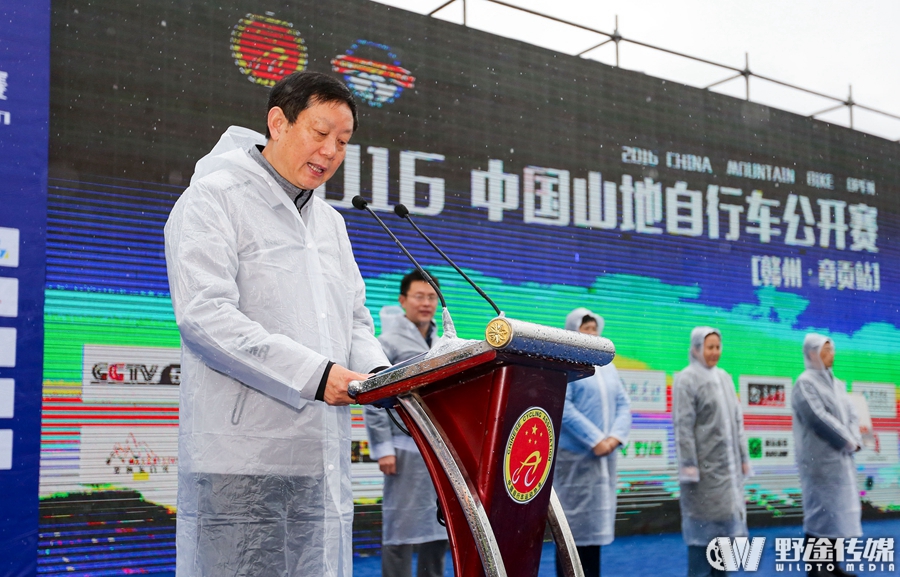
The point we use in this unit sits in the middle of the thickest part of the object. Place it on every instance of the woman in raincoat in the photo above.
(826, 434)
(596, 421)
(711, 449)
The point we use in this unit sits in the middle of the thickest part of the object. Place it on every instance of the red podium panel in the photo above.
(498, 415)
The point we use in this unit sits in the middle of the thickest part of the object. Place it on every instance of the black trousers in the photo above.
(698, 566)
(590, 561)
(396, 560)
(837, 570)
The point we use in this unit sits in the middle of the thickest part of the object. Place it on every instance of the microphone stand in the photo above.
(449, 329)
(403, 212)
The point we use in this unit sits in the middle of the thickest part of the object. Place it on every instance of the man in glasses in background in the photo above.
(409, 508)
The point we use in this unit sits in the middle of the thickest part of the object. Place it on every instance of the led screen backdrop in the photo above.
(24, 109)
(555, 181)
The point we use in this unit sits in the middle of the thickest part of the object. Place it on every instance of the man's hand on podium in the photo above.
(336, 386)
(388, 465)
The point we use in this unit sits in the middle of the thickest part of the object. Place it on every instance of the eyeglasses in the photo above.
(420, 297)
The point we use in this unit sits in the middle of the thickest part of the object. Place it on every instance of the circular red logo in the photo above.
(529, 455)
(266, 49)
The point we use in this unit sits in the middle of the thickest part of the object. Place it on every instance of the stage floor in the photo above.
(666, 555)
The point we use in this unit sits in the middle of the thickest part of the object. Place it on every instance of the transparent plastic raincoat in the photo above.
(711, 449)
(596, 407)
(826, 434)
(264, 299)
(409, 510)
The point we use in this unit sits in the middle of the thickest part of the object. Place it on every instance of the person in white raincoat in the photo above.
(826, 434)
(596, 421)
(409, 506)
(270, 305)
(711, 450)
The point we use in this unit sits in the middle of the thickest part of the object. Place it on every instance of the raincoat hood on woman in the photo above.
(812, 347)
(698, 337)
(575, 319)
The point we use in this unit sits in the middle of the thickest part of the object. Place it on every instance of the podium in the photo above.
(486, 416)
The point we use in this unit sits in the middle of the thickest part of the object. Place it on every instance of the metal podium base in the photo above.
(473, 509)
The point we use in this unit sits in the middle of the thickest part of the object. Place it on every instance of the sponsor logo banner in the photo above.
(881, 398)
(882, 451)
(9, 247)
(765, 395)
(6, 449)
(7, 398)
(132, 374)
(770, 447)
(8, 346)
(646, 449)
(646, 389)
(9, 297)
(143, 459)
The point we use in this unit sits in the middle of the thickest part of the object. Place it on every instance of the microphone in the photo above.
(403, 212)
(361, 204)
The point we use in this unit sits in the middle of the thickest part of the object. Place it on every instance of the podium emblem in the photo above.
(498, 333)
(529, 454)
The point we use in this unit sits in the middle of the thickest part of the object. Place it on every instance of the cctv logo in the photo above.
(725, 554)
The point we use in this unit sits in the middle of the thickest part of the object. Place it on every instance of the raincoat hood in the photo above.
(812, 348)
(400, 337)
(231, 149)
(391, 317)
(573, 320)
(698, 336)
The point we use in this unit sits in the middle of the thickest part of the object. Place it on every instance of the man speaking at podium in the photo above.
(409, 506)
(271, 309)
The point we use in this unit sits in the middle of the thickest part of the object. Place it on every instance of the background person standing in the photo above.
(409, 509)
(826, 433)
(712, 451)
(596, 421)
